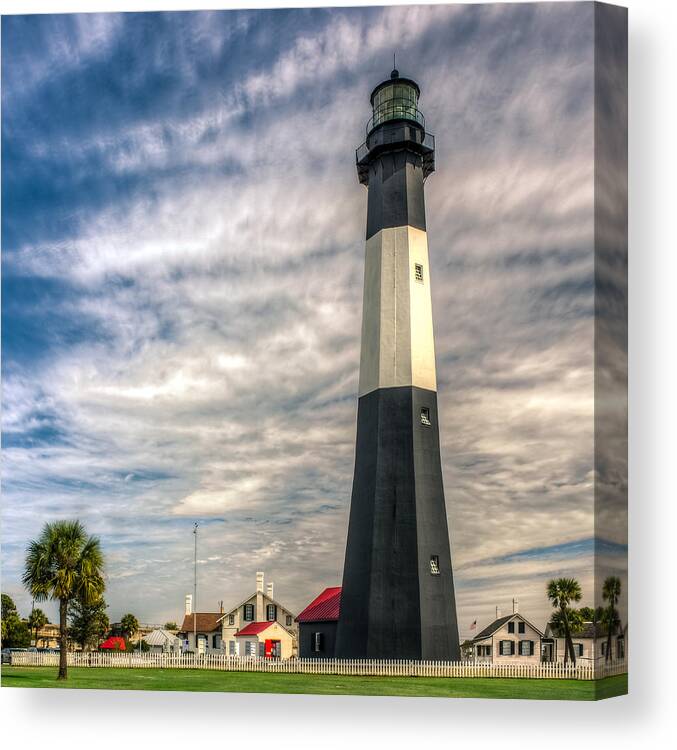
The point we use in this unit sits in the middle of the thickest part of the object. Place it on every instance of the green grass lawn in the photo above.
(262, 682)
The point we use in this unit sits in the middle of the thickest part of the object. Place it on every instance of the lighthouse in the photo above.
(397, 600)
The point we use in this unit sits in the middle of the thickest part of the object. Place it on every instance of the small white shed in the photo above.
(162, 641)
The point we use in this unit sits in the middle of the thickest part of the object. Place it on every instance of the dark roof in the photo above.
(206, 622)
(324, 608)
(255, 627)
(495, 625)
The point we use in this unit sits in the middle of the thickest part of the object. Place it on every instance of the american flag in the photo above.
(474, 625)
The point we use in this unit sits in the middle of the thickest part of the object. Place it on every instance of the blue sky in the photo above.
(182, 236)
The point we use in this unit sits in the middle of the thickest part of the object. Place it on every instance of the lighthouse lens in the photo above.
(395, 102)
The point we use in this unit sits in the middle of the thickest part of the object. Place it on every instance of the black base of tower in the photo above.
(392, 606)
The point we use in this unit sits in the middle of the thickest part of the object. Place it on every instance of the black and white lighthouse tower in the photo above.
(397, 600)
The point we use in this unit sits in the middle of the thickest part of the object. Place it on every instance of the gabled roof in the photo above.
(206, 622)
(324, 608)
(255, 627)
(160, 637)
(232, 610)
(500, 622)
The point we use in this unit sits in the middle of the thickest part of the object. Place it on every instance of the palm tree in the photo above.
(611, 592)
(36, 620)
(129, 625)
(561, 592)
(64, 564)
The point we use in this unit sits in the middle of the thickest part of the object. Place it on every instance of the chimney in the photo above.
(498, 612)
(269, 590)
(515, 605)
(189, 604)
(259, 616)
(221, 606)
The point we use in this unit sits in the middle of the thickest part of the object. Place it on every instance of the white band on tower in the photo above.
(398, 347)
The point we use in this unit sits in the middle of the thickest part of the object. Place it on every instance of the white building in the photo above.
(200, 632)
(259, 607)
(507, 640)
(589, 644)
(162, 641)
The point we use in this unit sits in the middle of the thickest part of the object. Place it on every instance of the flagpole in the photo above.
(195, 591)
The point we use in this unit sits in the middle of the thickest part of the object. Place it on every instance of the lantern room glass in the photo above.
(396, 101)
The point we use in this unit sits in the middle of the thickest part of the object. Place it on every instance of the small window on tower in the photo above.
(434, 565)
(418, 272)
(425, 416)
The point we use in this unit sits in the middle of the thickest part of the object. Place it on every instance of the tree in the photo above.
(8, 606)
(170, 626)
(611, 592)
(561, 592)
(36, 620)
(64, 564)
(15, 632)
(588, 614)
(128, 626)
(89, 623)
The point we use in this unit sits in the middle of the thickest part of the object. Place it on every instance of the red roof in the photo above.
(115, 641)
(325, 608)
(255, 627)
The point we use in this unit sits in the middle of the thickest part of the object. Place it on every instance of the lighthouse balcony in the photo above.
(394, 136)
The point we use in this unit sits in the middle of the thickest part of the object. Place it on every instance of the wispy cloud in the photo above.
(182, 273)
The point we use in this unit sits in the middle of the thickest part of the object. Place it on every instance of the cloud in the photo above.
(182, 271)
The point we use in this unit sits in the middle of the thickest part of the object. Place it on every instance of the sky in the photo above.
(182, 261)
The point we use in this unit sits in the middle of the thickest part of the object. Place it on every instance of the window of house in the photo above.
(526, 648)
(434, 565)
(231, 648)
(484, 650)
(262, 649)
(521, 627)
(271, 612)
(249, 612)
(620, 648)
(506, 648)
(231, 619)
(289, 621)
(317, 642)
(578, 649)
(425, 416)
(418, 272)
(250, 648)
(511, 627)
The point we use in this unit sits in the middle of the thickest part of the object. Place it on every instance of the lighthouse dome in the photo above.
(395, 98)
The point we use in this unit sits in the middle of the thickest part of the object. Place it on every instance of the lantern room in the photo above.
(395, 99)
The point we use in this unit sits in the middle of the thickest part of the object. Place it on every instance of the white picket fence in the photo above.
(361, 667)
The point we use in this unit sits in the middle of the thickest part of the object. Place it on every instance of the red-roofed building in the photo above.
(258, 608)
(218, 632)
(317, 625)
(114, 643)
(266, 640)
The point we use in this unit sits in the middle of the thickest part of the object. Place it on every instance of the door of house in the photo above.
(273, 649)
(547, 652)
